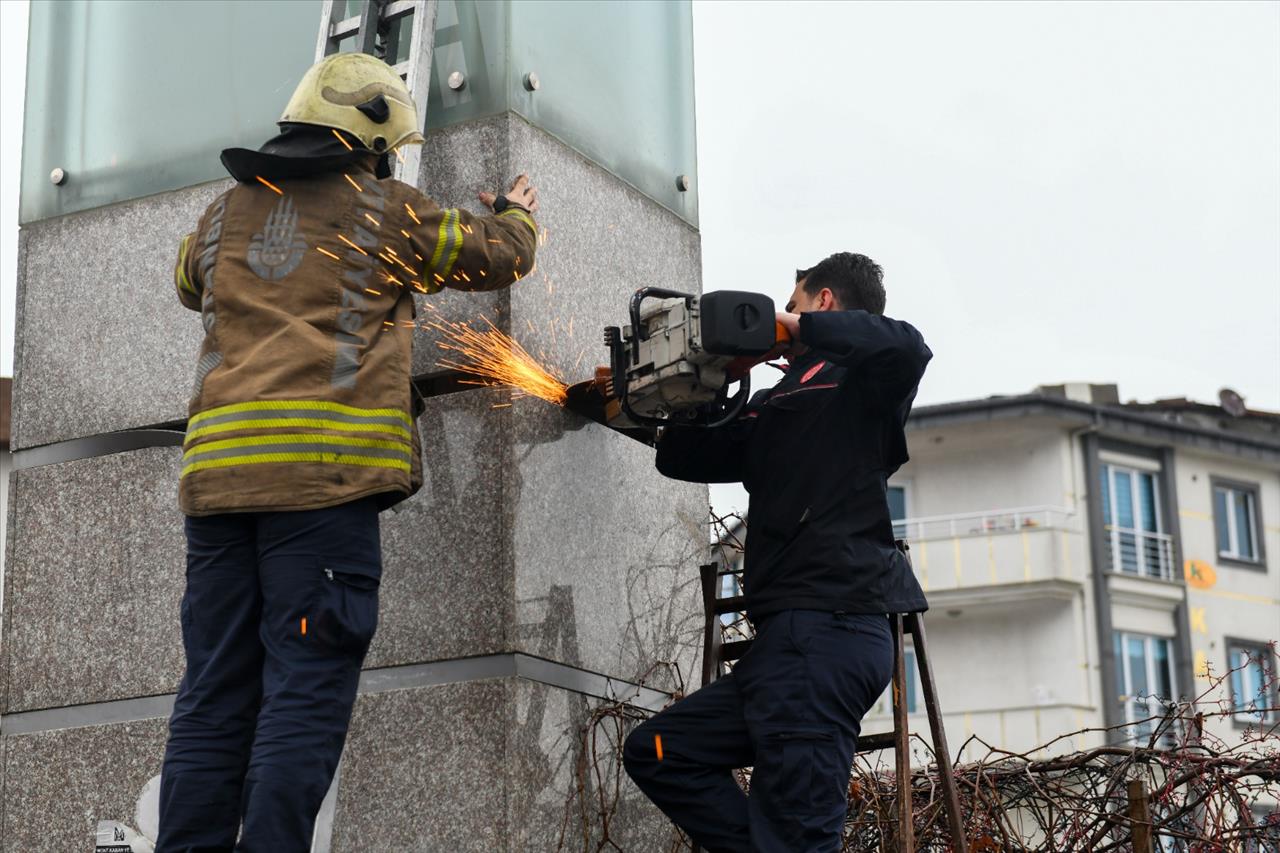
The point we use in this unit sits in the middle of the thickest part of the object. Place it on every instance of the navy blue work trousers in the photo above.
(791, 710)
(278, 613)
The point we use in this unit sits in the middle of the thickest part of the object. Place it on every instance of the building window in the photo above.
(1235, 516)
(898, 510)
(1144, 676)
(1266, 839)
(1131, 517)
(1253, 682)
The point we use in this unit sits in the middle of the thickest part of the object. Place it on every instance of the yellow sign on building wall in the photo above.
(1199, 574)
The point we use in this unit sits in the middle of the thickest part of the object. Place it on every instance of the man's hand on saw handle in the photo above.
(521, 193)
(788, 337)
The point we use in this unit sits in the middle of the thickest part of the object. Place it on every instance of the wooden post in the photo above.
(901, 742)
(1140, 817)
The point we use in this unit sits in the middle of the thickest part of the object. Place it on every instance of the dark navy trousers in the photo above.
(278, 613)
(791, 710)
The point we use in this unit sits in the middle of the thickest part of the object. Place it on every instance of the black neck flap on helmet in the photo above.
(300, 151)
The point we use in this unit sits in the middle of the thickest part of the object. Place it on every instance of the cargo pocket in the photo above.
(797, 774)
(345, 615)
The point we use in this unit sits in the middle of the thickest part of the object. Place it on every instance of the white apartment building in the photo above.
(1085, 559)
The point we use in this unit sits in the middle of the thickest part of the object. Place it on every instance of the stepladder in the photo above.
(718, 654)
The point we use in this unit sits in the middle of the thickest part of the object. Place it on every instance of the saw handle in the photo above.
(742, 365)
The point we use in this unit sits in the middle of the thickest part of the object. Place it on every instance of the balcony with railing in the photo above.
(1035, 546)
(1139, 552)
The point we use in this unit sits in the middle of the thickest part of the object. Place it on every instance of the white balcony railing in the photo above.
(1140, 552)
(980, 523)
(995, 547)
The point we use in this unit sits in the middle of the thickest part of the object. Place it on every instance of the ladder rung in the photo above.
(342, 29)
(399, 9)
(870, 743)
(350, 26)
(735, 604)
(733, 651)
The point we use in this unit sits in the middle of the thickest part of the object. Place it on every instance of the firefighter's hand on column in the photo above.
(521, 193)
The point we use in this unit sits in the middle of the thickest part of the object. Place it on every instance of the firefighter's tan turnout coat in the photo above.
(302, 394)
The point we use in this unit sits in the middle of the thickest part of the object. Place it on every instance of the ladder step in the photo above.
(871, 743)
(734, 604)
(733, 651)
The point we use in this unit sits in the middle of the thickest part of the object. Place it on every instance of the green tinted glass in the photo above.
(614, 81)
(138, 97)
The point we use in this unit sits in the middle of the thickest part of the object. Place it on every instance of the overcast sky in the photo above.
(1070, 191)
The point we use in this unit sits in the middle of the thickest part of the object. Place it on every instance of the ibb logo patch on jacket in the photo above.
(277, 249)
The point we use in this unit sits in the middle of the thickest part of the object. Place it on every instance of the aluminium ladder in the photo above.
(375, 30)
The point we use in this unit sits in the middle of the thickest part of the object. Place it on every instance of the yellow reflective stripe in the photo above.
(317, 405)
(180, 271)
(330, 458)
(314, 423)
(442, 238)
(457, 243)
(517, 213)
(297, 438)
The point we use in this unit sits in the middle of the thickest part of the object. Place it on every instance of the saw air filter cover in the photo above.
(737, 322)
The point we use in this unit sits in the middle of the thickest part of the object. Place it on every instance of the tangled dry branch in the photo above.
(1199, 793)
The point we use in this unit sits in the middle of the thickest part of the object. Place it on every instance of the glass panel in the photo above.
(1122, 686)
(1220, 521)
(1244, 523)
(1239, 697)
(1124, 499)
(1147, 502)
(617, 85)
(1138, 685)
(1163, 669)
(898, 510)
(470, 39)
(615, 81)
(133, 98)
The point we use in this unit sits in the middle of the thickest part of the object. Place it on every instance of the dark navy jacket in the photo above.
(814, 452)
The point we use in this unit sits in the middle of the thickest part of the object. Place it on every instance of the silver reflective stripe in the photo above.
(442, 258)
(294, 447)
(204, 367)
(311, 414)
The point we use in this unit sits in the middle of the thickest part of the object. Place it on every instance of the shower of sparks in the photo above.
(376, 223)
(342, 138)
(352, 182)
(497, 359)
(412, 214)
(269, 185)
(325, 251)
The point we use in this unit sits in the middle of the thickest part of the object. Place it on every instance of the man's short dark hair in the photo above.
(856, 281)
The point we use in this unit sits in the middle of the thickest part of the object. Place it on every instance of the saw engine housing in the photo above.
(668, 365)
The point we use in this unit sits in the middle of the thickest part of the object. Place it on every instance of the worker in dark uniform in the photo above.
(301, 430)
(821, 573)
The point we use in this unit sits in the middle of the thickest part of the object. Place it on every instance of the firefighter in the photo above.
(301, 430)
(821, 572)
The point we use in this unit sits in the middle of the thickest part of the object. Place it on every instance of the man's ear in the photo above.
(828, 300)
